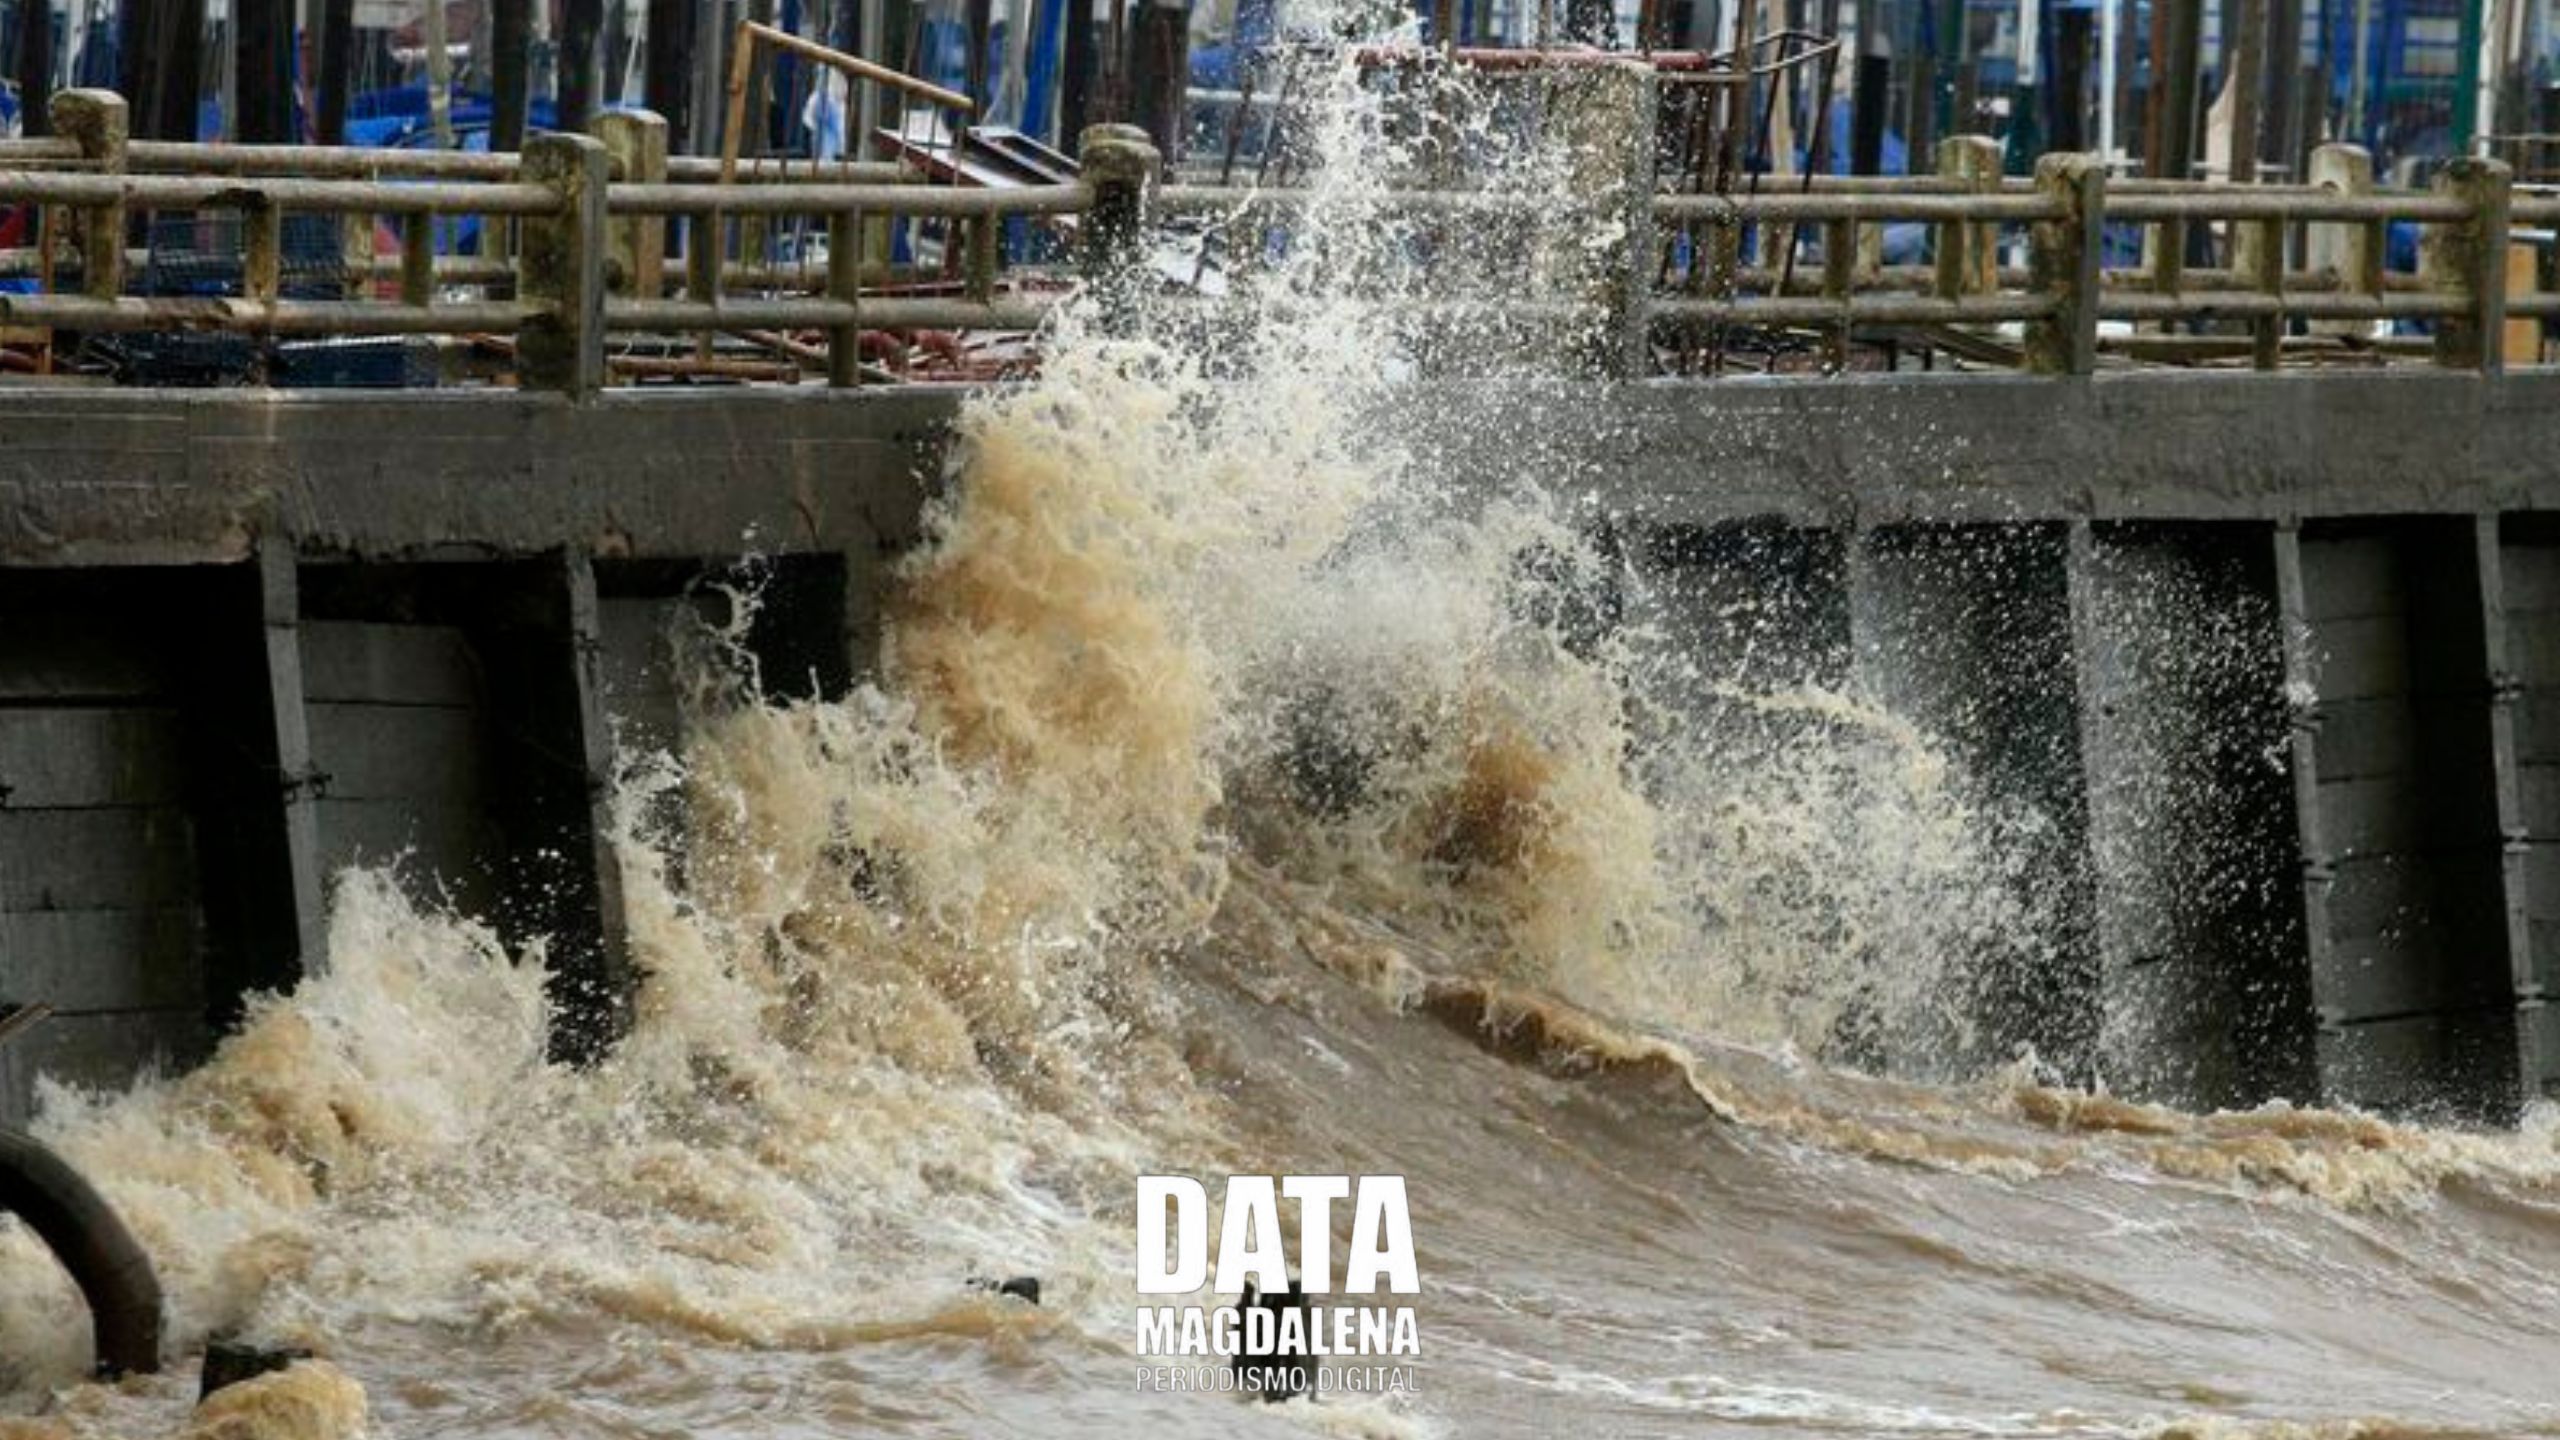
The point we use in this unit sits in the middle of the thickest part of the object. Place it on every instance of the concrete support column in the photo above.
(2515, 832)
(279, 597)
(596, 996)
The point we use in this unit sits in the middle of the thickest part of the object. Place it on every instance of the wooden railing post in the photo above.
(637, 142)
(1637, 106)
(1969, 251)
(2064, 258)
(98, 122)
(2467, 258)
(560, 265)
(1841, 243)
(844, 283)
(1120, 163)
(2259, 246)
(2352, 251)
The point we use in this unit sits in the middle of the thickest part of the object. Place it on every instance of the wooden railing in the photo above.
(579, 231)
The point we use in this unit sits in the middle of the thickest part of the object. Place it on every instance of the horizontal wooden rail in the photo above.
(133, 313)
(934, 200)
(810, 313)
(341, 197)
(1865, 309)
(1867, 208)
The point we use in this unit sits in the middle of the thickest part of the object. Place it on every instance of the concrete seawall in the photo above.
(2274, 654)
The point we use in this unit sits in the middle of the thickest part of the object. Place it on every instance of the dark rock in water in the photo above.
(228, 1362)
(1020, 1287)
(1272, 1370)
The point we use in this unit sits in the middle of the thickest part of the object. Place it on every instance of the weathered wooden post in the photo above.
(1633, 99)
(2352, 251)
(1121, 164)
(844, 285)
(1605, 115)
(98, 122)
(560, 265)
(1843, 244)
(2063, 260)
(2467, 259)
(637, 142)
(2258, 247)
(1969, 251)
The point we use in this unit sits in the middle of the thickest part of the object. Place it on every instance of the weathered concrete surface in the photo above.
(115, 477)
(1881, 449)
(174, 477)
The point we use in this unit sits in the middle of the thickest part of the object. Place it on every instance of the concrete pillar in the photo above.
(595, 988)
(2535, 1064)
(1967, 631)
(561, 265)
(280, 611)
(99, 123)
(2392, 663)
(2195, 912)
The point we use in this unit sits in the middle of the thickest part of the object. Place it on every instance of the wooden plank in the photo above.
(74, 657)
(2537, 724)
(2411, 972)
(2365, 739)
(2538, 1026)
(2380, 816)
(2380, 894)
(54, 757)
(2532, 574)
(2355, 659)
(2533, 652)
(2538, 797)
(96, 859)
(2542, 881)
(101, 1052)
(636, 668)
(389, 752)
(389, 664)
(2346, 577)
(449, 840)
(2448, 1065)
(83, 960)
